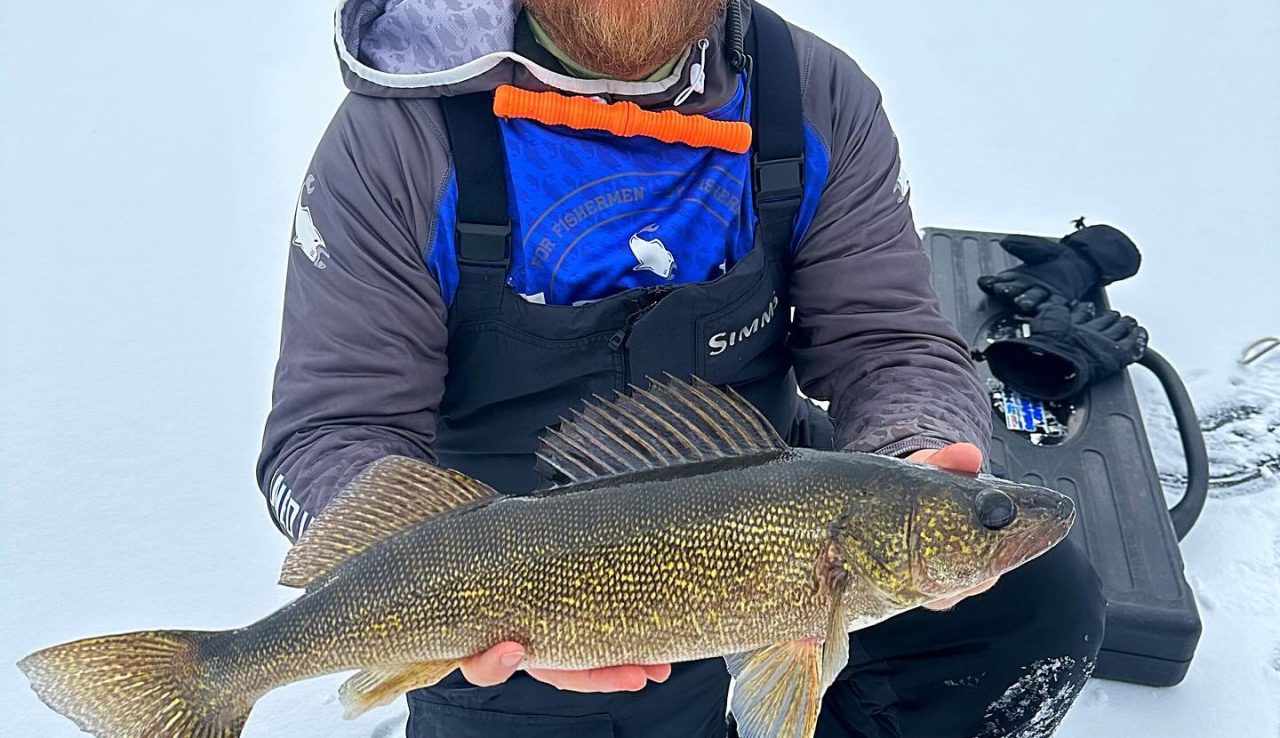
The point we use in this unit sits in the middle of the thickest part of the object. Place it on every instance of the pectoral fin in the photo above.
(835, 649)
(779, 689)
(383, 685)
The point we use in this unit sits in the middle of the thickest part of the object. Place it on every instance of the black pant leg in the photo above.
(1005, 664)
(691, 704)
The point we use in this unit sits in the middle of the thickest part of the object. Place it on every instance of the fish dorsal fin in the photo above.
(672, 422)
(391, 496)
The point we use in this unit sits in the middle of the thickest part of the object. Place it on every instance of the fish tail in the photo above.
(140, 684)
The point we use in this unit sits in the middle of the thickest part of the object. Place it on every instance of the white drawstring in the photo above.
(697, 75)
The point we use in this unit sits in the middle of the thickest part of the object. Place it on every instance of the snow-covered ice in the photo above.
(151, 154)
(1233, 564)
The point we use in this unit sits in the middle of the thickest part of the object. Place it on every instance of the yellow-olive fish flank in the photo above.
(682, 528)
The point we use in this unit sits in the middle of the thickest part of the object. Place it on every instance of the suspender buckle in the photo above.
(779, 182)
(481, 244)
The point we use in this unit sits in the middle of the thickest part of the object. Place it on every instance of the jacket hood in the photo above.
(440, 48)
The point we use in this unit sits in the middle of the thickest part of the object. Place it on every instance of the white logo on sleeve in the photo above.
(902, 190)
(290, 516)
(307, 237)
(652, 254)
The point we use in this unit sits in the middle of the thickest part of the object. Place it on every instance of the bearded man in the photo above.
(491, 231)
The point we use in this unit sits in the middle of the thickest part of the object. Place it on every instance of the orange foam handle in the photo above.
(624, 119)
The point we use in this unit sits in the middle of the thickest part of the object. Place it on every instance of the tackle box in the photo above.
(1094, 448)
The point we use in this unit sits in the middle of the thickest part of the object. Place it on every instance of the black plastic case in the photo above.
(1105, 464)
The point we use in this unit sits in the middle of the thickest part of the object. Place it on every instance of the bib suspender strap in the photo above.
(483, 228)
(778, 119)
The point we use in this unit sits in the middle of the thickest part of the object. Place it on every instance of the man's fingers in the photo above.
(500, 663)
(495, 666)
(608, 679)
(965, 458)
(658, 674)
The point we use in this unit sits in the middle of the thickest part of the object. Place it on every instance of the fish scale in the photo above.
(682, 528)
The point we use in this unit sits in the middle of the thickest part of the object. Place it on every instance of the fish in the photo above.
(676, 526)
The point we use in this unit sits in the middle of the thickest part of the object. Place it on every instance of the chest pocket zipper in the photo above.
(644, 304)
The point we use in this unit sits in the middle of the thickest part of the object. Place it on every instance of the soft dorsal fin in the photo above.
(671, 423)
(391, 496)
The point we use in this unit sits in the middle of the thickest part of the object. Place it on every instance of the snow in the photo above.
(152, 153)
(1232, 559)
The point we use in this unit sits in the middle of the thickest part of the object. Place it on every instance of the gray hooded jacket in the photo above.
(363, 360)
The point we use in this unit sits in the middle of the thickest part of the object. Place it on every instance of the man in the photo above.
(417, 324)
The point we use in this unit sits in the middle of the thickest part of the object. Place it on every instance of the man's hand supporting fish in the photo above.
(501, 662)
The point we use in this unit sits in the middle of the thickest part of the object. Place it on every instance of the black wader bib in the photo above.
(516, 368)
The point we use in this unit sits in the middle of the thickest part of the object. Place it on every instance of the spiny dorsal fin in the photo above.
(672, 422)
(391, 496)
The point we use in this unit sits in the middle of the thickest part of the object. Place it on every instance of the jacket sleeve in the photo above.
(362, 358)
(869, 335)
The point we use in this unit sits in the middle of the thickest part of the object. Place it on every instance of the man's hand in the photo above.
(965, 458)
(498, 664)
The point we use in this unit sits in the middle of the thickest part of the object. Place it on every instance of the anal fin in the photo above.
(382, 685)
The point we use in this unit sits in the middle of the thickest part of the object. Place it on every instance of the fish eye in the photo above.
(995, 509)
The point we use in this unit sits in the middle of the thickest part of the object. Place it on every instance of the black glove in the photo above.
(1067, 349)
(1063, 271)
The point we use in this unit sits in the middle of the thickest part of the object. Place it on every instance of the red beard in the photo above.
(625, 39)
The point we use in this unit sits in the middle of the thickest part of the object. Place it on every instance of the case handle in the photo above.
(1187, 511)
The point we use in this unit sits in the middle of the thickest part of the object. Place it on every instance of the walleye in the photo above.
(682, 528)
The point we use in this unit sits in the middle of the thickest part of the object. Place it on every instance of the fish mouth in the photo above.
(1048, 517)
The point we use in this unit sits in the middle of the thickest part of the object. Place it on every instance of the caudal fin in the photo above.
(138, 685)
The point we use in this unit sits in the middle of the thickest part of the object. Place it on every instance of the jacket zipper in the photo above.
(644, 304)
